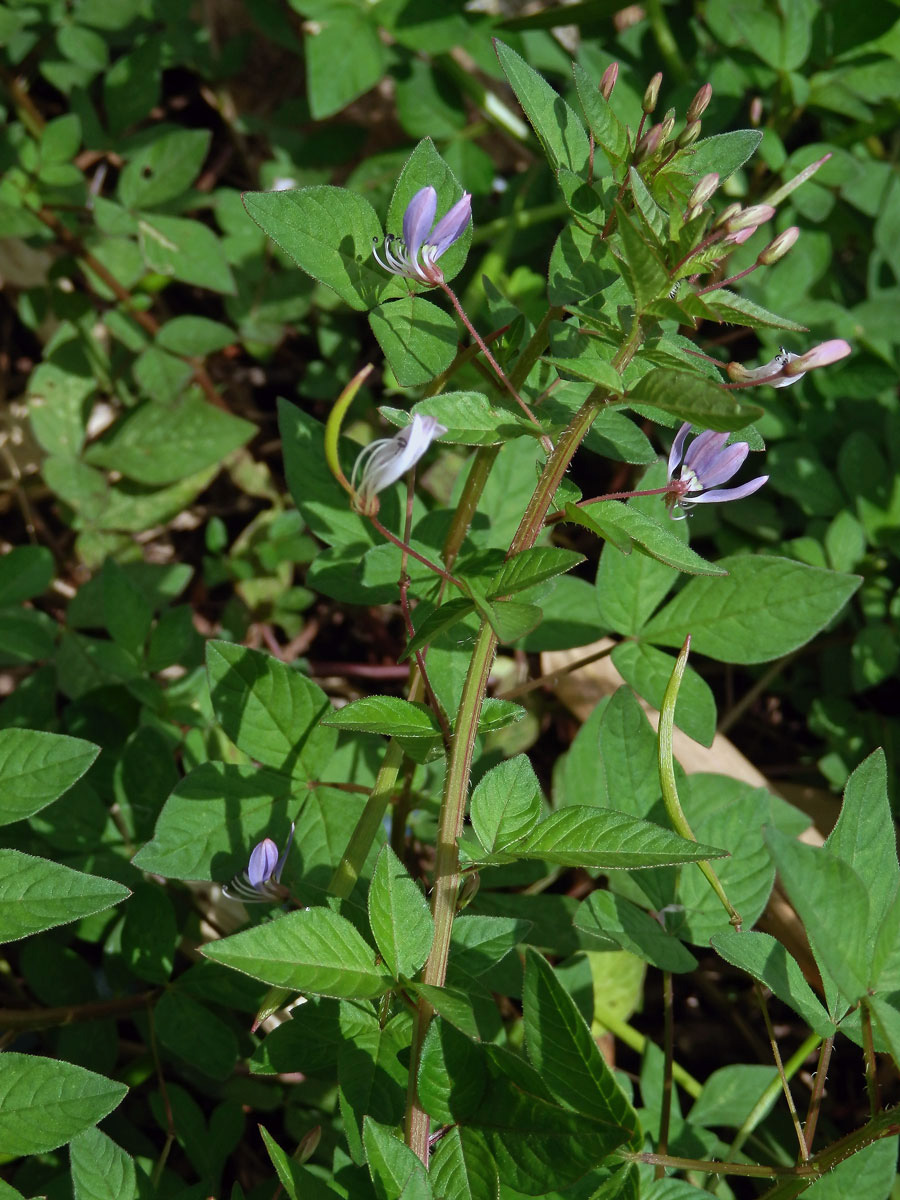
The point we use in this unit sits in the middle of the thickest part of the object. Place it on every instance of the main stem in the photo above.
(456, 786)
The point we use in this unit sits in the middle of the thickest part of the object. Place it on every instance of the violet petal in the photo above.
(451, 226)
(418, 219)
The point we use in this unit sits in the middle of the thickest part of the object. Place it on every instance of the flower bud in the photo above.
(756, 111)
(822, 355)
(727, 214)
(308, 1143)
(698, 105)
(649, 144)
(608, 80)
(668, 124)
(651, 95)
(778, 247)
(755, 215)
(688, 135)
(704, 190)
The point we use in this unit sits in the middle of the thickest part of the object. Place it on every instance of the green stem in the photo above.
(525, 219)
(667, 778)
(665, 40)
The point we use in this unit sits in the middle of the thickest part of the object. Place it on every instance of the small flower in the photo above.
(415, 255)
(694, 476)
(385, 460)
(261, 882)
(786, 367)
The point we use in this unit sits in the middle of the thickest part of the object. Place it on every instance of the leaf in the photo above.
(190, 335)
(562, 1049)
(649, 670)
(313, 950)
(418, 339)
(723, 305)
(470, 418)
(329, 233)
(270, 711)
(609, 132)
(212, 819)
(506, 803)
(864, 835)
(163, 169)
(432, 622)
(763, 957)
(452, 1004)
(646, 273)
(101, 1170)
(722, 153)
(37, 768)
(462, 1167)
(613, 520)
(531, 567)
(399, 916)
(607, 840)
(37, 894)
(828, 896)
(388, 715)
(692, 398)
(613, 917)
(478, 943)
(765, 608)
(25, 572)
(186, 250)
(346, 36)
(45, 1103)
(396, 1171)
(557, 126)
(194, 1034)
(163, 443)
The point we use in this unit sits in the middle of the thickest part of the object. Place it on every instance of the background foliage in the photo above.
(169, 547)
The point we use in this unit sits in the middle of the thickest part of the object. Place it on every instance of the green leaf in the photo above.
(45, 1103)
(127, 611)
(399, 916)
(531, 567)
(61, 138)
(723, 305)
(25, 572)
(194, 336)
(470, 418)
(649, 670)
(763, 957)
(36, 768)
(396, 1171)
(765, 608)
(722, 153)
(452, 1004)
(478, 943)
(185, 250)
(562, 1049)
(510, 619)
(298, 1183)
(609, 132)
(462, 1167)
(212, 819)
(614, 918)
(163, 169)
(435, 621)
(193, 1033)
(270, 711)
(329, 233)
(101, 1170)
(159, 443)
(646, 273)
(37, 894)
(313, 950)
(506, 803)
(344, 36)
(607, 840)
(150, 934)
(418, 339)
(864, 836)
(613, 520)
(828, 896)
(557, 126)
(730, 1096)
(388, 715)
(692, 398)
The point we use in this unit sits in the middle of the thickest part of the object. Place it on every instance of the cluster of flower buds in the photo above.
(696, 109)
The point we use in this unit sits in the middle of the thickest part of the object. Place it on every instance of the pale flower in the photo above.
(260, 883)
(385, 460)
(415, 255)
(786, 367)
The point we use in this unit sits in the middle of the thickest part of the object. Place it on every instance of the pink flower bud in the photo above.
(756, 111)
(668, 124)
(755, 215)
(704, 190)
(822, 355)
(778, 247)
(698, 105)
(651, 95)
(727, 214)
(608, 80)
(649, 144)
(688, 135)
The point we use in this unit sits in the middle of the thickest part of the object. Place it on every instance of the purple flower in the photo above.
(786, 367)
(695, 474)
(260, 883)
(415, 255)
